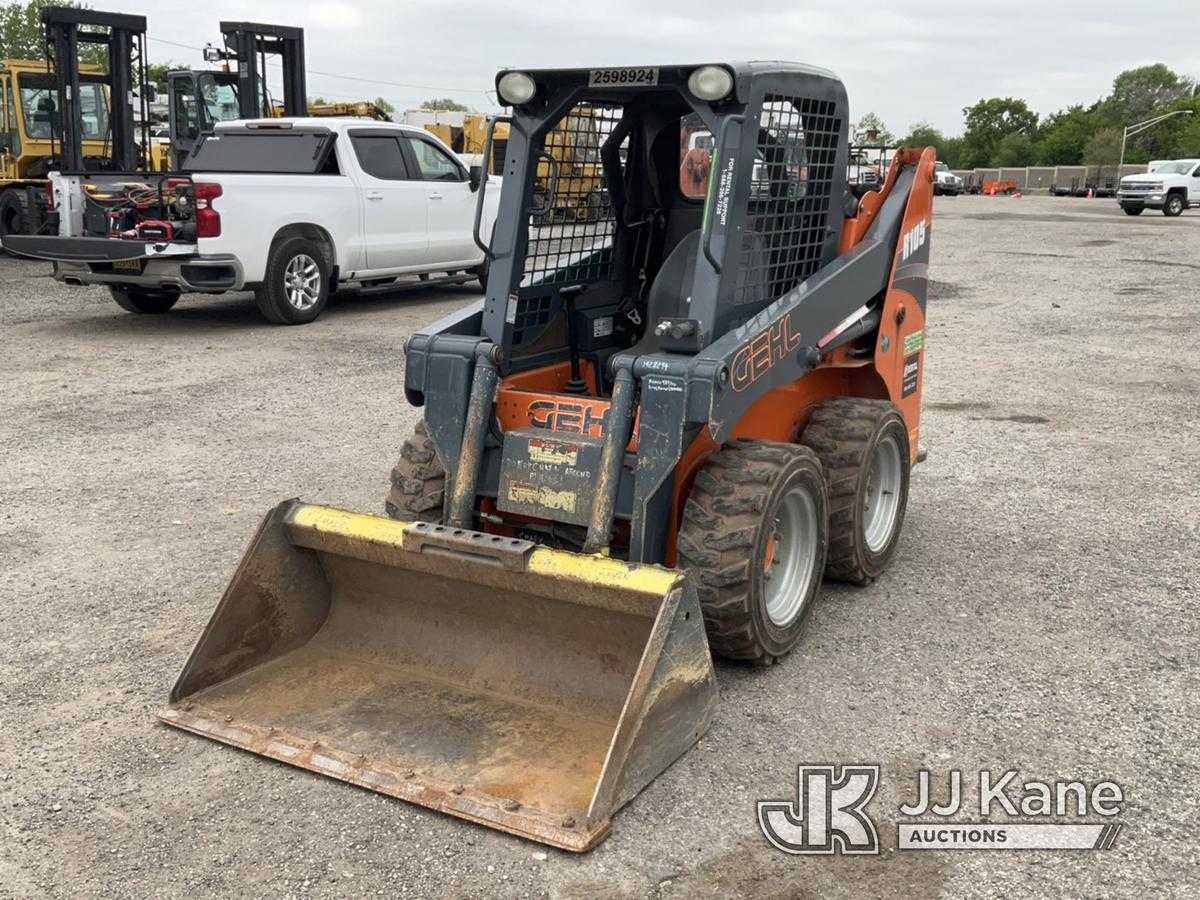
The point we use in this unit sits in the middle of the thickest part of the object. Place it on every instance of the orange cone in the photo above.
(1091, 194)
(993, 193)
(1017, 195)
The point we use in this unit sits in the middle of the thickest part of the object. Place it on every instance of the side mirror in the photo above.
(475, 176)
(46, 105)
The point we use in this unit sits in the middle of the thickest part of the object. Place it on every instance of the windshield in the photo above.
(39, 106)
(941, 167)
(282, 152)
(1175, 168)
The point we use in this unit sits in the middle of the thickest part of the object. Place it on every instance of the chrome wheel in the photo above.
(302, 282)
(791, 557)
(881, 499)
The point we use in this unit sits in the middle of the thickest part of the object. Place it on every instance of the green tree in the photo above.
(157, 73)
(1064, 134)
(383, 104)
(922, 134)
(1015, 150)
(987, 123)
(871, 130)
(444, 103)
(1141, 93)
(1103, 148)
(22, 37)
(317, 101)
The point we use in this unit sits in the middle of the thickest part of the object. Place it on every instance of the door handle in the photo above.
(374, 195)
(434, 195)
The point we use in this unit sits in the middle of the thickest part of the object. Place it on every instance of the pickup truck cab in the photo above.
(1172, 187)
(945, 182)
(288, 208)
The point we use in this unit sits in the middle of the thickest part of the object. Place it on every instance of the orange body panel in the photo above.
(536, 398)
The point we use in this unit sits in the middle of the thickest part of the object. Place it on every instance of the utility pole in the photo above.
(1139, 127)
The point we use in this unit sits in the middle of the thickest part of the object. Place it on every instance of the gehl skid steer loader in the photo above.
(663, 424)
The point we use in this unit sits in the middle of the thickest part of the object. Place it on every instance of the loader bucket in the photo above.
(531, 690)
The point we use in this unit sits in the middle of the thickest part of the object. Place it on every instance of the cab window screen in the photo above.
(278, 152)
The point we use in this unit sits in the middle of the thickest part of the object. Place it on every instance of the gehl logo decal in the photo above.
(914, 239)
(757, 357)
(572, 418)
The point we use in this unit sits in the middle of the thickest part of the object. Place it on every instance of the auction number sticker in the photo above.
(626, 77)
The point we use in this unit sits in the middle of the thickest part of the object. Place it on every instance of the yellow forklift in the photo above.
(57, 115)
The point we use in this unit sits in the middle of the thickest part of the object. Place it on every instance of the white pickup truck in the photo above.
(288, 208)
(1171, 186)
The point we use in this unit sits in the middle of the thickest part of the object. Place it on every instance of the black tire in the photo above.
(844, 433)
(727, 533)
(1173, 206)
(273, 295)
(1132, 210)
(147, 301)
(13, 214)
(418, 481)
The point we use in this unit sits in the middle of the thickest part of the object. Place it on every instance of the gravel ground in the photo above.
(1041, 614)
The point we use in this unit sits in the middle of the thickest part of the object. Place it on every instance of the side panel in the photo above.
(255, 207)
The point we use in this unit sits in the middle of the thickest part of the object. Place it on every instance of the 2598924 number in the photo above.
(627, 77)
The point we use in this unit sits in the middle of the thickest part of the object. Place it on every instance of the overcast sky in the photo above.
(908, 62)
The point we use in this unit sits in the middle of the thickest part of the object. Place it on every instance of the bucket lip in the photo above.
(571, 833)
(591, 569)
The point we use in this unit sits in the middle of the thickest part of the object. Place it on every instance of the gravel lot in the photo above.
(1041, 614)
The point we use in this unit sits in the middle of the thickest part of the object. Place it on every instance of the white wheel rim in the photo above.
(302, 282)
(881, 499)
(793, 563)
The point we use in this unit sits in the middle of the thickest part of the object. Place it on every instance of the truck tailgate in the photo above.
(90, 249)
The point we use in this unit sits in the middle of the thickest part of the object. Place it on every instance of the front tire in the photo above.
(753, 540)
(13, 215)
(418, 481)
(296, 285)
(1132, 210)
(864, 450)
(144, 300)
(1173, 206)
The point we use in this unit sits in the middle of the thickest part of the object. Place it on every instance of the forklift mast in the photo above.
(65, 29)
(248, 43)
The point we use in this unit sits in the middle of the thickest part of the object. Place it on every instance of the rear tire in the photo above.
(13, 215)
(144, 300)
(1172, 206)
(418, 481)
(753, 540)
(295, 287)
(1132, 210)
(864, 450)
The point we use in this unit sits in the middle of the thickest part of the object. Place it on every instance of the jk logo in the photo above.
(827, 815)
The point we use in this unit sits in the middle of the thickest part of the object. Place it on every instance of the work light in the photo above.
(710, 82)
(516, 88)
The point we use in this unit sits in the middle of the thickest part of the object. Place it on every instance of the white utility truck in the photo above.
(289, 208)
(1172, 187)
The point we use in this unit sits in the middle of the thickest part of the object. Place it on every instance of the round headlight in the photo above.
(710, 83)
(516, 88)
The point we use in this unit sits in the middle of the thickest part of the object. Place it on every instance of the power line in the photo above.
(400, 84)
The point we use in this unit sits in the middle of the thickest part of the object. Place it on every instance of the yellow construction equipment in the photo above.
(464, 133)
(522, 687)
(28, 145)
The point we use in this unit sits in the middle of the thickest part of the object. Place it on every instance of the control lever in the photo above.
(576, 384)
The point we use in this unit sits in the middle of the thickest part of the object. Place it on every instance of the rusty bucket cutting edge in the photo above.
(530, 690)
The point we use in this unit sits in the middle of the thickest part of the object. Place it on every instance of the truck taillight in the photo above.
(50, 195)
(208, 220)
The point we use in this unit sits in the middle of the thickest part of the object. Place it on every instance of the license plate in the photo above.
(623, 77)
(134, 265)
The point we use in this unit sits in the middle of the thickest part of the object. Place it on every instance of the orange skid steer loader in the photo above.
(655, 435)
